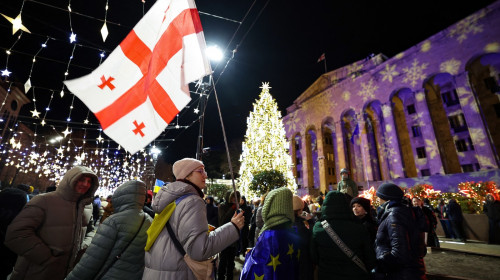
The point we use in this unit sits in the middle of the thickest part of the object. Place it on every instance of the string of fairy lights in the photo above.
(52, 159)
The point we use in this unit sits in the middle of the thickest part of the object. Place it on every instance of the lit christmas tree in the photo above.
(265, 146)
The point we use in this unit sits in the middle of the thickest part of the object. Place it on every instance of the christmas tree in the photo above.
(265, 146)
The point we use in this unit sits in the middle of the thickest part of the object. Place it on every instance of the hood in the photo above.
(336, 207)
(67, 184)
(12, 201)
(129, 195)
(210, 200)
(169, 193)
(402, 213)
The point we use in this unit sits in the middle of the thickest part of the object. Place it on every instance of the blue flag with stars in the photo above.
(275, 256)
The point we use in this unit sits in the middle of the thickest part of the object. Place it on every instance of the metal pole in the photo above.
(225, 142)
(203, 102)
(324, 60)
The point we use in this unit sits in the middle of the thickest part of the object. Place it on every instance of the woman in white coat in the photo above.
(188, 223)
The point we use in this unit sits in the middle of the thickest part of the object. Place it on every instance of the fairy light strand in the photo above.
(27, 85)
(42, 46)
(47, 109)
(104, 29)
(9, 52)
(69, 14)
(5, 98)
(67, 69)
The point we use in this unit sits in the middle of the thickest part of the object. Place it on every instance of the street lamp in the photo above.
(154, 152)
(214, 53)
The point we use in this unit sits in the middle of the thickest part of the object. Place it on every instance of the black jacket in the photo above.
(492, 209)
(304, 230)
(212, 213)
(399, 228)
(455, 211)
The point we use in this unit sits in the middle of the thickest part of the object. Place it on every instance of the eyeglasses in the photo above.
(202, 171)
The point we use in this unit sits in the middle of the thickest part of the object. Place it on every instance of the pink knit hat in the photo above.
(182, 168)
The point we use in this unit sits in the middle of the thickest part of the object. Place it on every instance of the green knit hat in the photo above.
(278, 208)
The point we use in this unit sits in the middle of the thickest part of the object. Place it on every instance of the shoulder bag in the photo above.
(202, 270)
(350, 254)
(117, 257)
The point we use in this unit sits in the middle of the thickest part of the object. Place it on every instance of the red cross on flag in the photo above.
(143, 83)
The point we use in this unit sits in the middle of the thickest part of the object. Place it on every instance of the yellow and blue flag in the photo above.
(158, 184)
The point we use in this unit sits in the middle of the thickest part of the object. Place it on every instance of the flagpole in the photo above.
(324, 60)
(225, 141)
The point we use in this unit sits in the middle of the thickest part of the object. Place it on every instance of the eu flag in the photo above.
(275, 256)
(354, 133)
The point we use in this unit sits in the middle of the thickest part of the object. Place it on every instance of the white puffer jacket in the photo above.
(189, 223)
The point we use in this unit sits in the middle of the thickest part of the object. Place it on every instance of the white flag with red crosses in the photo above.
(143, 84)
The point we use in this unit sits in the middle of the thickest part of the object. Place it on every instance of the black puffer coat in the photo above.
(304, 229)
(12, 201)
(399, 247)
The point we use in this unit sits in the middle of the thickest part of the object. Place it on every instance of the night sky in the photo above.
(277, 42)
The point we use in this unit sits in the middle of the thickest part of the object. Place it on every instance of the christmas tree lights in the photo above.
(265, 146)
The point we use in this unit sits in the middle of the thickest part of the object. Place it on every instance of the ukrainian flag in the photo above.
(158, 185)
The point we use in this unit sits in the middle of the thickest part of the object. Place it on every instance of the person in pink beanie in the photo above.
(188, 226)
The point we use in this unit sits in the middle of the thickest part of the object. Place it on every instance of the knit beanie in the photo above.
(298, 203)
(182, 168)
(365, 203)
(278, 208)
(390, 191)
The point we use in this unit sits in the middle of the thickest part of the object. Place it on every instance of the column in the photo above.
(391, 144)
(365, 168)
(340, 149)
(431, 146)
(321, 160)
(477, 130)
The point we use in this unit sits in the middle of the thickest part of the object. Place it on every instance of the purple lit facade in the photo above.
(431, 114)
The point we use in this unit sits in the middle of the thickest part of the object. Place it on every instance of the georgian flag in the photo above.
(143, 84)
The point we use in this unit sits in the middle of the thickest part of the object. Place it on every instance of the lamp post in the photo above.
(215, 54)
(154, 152)
(203, 103)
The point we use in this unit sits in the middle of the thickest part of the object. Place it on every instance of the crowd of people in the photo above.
(180, 233)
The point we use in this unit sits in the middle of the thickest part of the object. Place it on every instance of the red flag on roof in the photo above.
(322, 57)
(143, 84)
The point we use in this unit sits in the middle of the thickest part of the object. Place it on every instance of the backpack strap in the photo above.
(342, 246)
(177, 244)
(180, 198)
